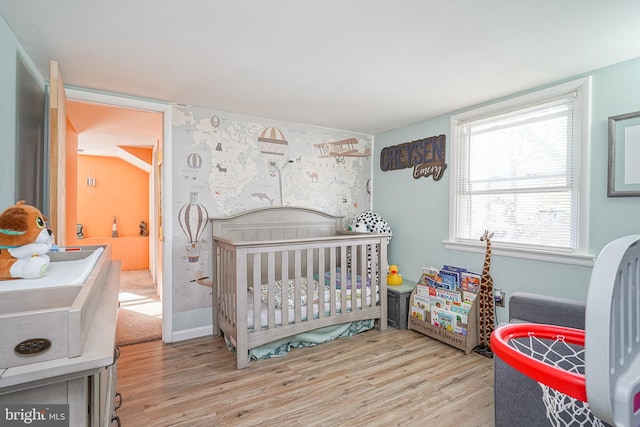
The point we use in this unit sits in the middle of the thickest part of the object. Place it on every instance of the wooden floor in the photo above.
(391, 378)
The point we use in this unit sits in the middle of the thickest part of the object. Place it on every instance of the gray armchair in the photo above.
(518, 398)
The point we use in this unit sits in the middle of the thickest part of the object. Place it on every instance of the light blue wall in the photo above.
(418, 209)
(10, 48)
(616, 90)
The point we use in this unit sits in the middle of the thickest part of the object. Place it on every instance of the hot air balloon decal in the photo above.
(194, 161)
(193, 219)
(215, 122)
(273, 145)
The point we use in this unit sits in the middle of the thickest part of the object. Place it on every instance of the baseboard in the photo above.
(188, 334)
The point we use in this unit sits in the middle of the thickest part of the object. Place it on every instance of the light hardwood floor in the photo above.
(390, 378)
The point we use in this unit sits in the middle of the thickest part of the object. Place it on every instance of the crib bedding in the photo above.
(312, 338)
(291, 285)
(264, 310)
(338, 277)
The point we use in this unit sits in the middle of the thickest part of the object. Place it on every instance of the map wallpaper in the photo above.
(225, 163)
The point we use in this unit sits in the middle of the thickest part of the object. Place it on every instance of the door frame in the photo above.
(56, 193)
(161, 267)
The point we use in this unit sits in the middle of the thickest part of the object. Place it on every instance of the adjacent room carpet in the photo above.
(140, 314)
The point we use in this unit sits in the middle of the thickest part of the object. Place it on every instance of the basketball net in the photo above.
(562, 409)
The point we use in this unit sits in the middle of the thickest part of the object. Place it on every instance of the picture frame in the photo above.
(623, 180)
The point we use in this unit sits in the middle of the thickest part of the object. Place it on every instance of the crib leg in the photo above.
(242, 360)
(242, 356)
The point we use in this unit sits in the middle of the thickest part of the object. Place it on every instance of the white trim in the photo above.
(167, 227)
(583, 108)
(188, 334)
(117, 100)
(512, 103)
(583, 260)
(584, 111)
(166, 110)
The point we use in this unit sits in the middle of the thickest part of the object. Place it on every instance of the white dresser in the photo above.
(76, 323)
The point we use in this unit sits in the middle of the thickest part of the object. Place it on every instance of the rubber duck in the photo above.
(394, 278)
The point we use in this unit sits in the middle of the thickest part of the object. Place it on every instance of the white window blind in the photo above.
(517, 175)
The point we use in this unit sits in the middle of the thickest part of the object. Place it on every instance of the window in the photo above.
(517, 172)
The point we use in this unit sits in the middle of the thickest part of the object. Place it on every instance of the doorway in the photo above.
(130, 132)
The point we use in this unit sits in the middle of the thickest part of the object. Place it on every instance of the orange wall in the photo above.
(132, 251)
(121, 190)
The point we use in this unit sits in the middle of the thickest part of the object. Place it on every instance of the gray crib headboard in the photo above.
(276, 223)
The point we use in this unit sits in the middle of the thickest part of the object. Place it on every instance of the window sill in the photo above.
(583, 260)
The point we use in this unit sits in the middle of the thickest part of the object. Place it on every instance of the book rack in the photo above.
(465, 343)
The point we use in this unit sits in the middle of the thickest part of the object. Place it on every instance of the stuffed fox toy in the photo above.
(24, 242)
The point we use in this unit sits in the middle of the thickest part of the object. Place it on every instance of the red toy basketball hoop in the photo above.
(554, 357)
(608, 368)
(565, 381)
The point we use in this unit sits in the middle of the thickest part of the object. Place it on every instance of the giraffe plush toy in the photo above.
(487, 312)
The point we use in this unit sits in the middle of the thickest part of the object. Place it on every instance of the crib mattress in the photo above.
(49, 317)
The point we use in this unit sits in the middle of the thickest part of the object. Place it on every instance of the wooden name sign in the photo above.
(426, 156)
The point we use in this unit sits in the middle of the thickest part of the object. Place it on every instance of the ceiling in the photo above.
(360, 65)
(103, 129)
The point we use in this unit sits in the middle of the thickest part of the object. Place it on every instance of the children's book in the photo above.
(461, 318)
(451, 296)
(453, 268)
(434, 316)
(469, 297)
(418, 313)
(446, 320)
(460, 330)
(422, 290)
(450, 279)
(470, 282)
(421, 302)
(423, 280)
(431, 277)
(459, 309)
(434, 283)
(431, 271)
(437, 303)
(443, 319)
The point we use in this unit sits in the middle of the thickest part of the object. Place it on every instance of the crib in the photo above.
(282, 271)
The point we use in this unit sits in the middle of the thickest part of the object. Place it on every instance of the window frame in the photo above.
(578, 256)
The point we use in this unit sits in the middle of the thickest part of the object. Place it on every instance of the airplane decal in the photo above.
(341, 149)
